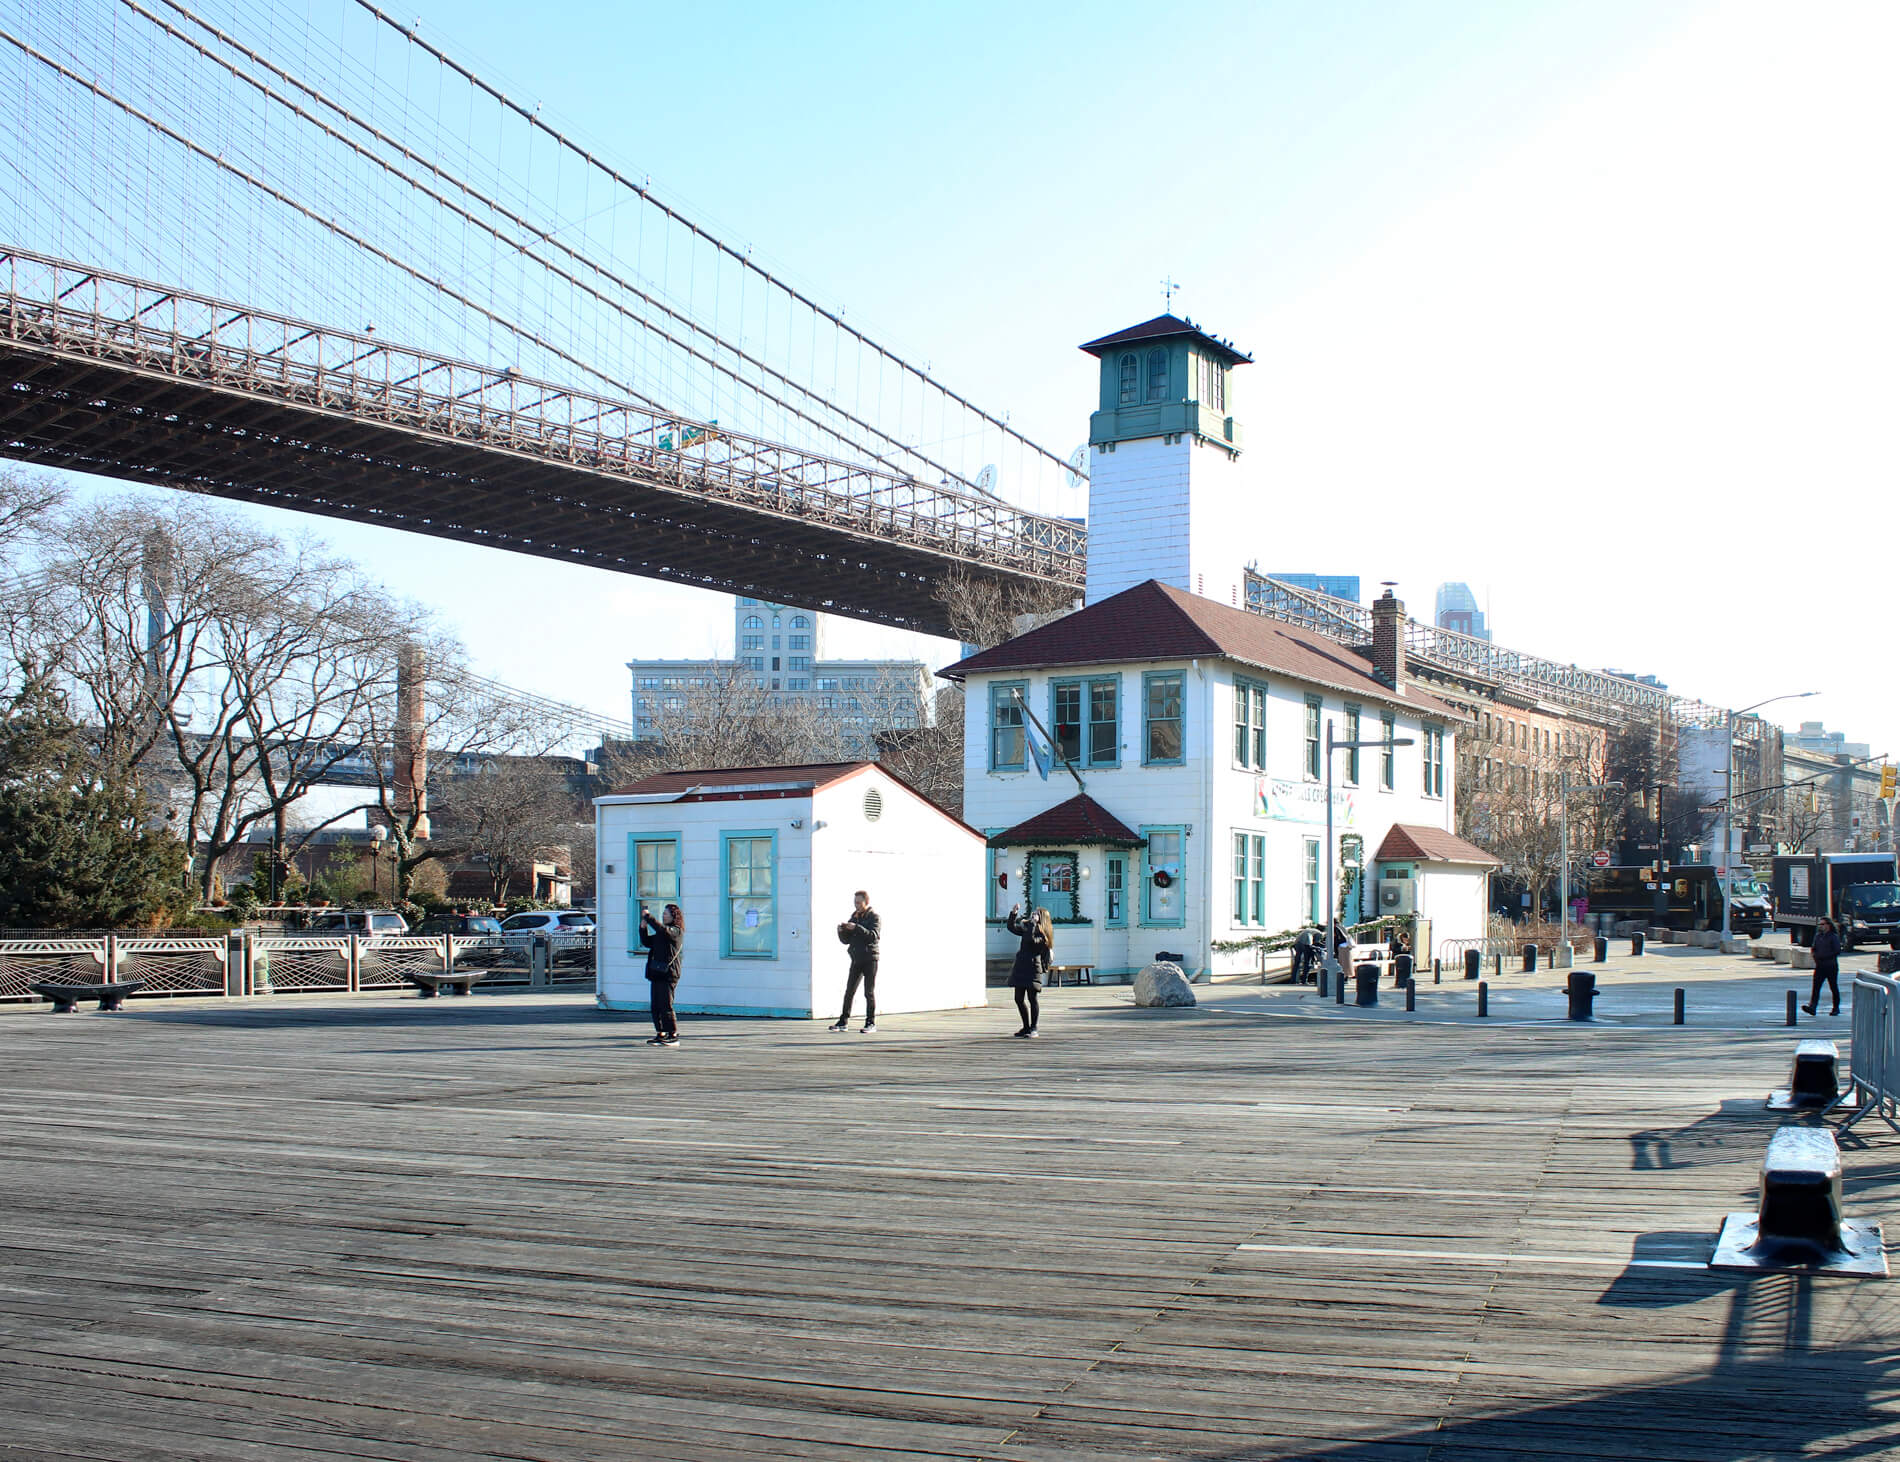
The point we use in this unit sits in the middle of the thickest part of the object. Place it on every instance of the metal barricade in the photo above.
(1874, 1085)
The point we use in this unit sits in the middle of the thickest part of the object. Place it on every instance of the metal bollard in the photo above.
(1484, 997)
(1339, 987)
(1636, 942)
(1791, 1005)
(1473, 961)
(1602, 949)
(1530, 959)
(1497, 966)
(1325, 983)
(1402, 970)
(1680, 996)
(1411, 996)
(1438, 971)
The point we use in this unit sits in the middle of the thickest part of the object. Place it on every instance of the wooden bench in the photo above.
(453, 982)
(1083, 974)
(66, 998)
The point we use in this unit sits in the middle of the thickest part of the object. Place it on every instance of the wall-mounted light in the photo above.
(608, 869)
(798, 822)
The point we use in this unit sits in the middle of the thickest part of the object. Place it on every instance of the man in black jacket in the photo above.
(861, 932)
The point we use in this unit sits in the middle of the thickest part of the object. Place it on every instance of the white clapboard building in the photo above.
(763, 862)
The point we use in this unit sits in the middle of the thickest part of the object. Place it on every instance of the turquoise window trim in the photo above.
(727, 837)
(1085, 686)
(1313, 739)
(635, 944)
(1117, 920)
(1250, 735)
(995, 862)
(1388, 758)
(1355, 720)
(1147, 920)
(1000, 694)
(1148, 678)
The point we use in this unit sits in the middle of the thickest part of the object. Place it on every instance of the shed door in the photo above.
(1052, 883)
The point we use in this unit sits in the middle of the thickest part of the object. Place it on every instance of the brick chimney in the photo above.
(1388, 640)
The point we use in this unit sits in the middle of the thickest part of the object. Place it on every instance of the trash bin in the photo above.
(1582, 990)
(1530, 959)
(1472, 960)
(1365, 980)
(1401, 971)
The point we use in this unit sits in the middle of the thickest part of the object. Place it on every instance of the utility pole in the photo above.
(1724, 860)
(1332, 896)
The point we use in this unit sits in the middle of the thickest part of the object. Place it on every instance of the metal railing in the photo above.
(71, 309)
(1874, 1082)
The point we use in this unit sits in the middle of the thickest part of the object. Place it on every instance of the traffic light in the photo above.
(1889, 779)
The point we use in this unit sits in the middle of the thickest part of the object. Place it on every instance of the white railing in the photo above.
(1874, 1084)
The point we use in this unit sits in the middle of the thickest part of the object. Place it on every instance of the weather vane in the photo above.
(1168, 287)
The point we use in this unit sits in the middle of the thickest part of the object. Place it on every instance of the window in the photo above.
(1487, 726)
(800, 622)
(1387, 772)
(750, 930)
(1250, 725)
(1006, 726)
(1434, 741)
(1213, 384)
(798, 683)
(752, 642)
(799, 662)
(800, 642)
(1115, 891)
(1052, 884)
(1131, 380)
(1163, 885)
(1162, 743)
(655, 865)
(1312, 738)
(755, 663)
(1312, 880)
(1511, 730)
(775, 660)
(752, 621)
(1085, 718)
(1352, 756)
(1157, 375)
(1250, 878)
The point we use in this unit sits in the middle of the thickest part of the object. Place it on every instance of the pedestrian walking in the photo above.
(1827, 966)
(1038, 937)
(861, 932)
(663, 938)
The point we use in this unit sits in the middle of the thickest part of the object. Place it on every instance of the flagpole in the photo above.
(1067, 765)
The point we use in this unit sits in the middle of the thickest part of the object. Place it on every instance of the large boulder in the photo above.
(1163, 984)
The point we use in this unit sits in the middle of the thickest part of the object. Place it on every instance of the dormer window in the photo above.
(1131, 380)
(1157, 375)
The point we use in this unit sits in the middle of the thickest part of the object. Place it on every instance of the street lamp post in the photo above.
(1332, 896)
(378, 835)
(1728, 796)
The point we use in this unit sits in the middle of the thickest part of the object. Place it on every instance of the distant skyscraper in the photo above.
(1457, 609)
(1340, 586)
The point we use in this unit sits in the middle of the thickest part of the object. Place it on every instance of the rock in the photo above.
(1735, 944)
(1162, 984)
(1801, 959)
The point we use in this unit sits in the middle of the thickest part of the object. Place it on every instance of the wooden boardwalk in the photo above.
(504, 1228)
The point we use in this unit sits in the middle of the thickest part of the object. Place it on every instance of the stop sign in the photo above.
(1599, 859)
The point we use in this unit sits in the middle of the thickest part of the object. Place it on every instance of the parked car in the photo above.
(359, 921)
(571, 932)
(469, 925)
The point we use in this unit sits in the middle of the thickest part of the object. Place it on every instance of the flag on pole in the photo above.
(1038, 751)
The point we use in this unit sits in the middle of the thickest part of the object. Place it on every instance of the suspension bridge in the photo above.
(298, 255)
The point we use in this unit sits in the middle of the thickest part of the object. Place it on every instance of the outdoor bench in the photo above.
(457, 982)
(65, 997)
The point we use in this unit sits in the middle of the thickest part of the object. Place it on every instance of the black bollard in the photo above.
(1411, 995)
(1484, 997)
(1602, 949)
(1339, 987)
(1402, 970)
(1438, 970)
(1365, 984)
(1680, 994)
(1473, 959)
(1636, 942)
(1530, 959)
(1497, 966)
(1791, 1004)
(1325, 985)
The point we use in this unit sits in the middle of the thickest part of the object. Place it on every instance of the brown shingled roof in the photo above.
(1164, 327)
(1081, 820)
(819, 774)
(1155, 621)
(1411, 841)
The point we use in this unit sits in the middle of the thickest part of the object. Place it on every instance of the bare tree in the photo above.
(985, 612)
(508, 813)
(25, 501)
(1514, 808)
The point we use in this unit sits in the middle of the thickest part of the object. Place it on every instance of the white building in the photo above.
(1195, 728)
(763, 862)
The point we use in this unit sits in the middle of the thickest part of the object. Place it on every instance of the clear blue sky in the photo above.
(1588, 303)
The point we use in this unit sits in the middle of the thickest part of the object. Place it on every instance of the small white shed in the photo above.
(763, 862)
(1446, 879)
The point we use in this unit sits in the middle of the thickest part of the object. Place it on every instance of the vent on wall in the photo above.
(873, 805)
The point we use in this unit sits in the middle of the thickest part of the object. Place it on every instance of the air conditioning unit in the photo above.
(1398, 895)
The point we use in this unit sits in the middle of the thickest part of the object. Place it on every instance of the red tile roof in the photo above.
(820, 774)
(1081, 821)
(1163, 327)
(1429, 844)
(1155, 621)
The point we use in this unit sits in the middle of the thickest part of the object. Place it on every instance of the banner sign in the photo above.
(1282, 800)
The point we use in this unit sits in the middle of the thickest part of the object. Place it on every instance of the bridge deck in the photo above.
(128, 379)
(503, 1228)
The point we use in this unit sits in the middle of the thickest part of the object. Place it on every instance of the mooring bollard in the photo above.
(1530, 959)
(1582, 993)
(1636, 942)
(1402, 970)
(1602, 950)
(1411, 996)
(1484, 997)
(1791, 1005)
(1798, 1223)
(1325, 983)
(1681, 994)
(1473, 961)
(1497, 966)
(1365, 984)
(1438, 971)
(1339, 987)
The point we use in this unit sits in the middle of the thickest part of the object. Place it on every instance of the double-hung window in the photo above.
(1162, 733)
(1352, 755)
(1006, 727)
(1250, 878)
(1157, 375)
(1085, 718)
(751, 924)
(1387, 730)
(1115, 891)
(1312, 880)
(655, 863)
(1433, 738)
(1131, 380)
(1312, 738)
(1250, 725)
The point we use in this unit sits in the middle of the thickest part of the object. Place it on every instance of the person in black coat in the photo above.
(1038, 937)
(861, 932)
(663, 939)
(1303, 955)
(1827, 966)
